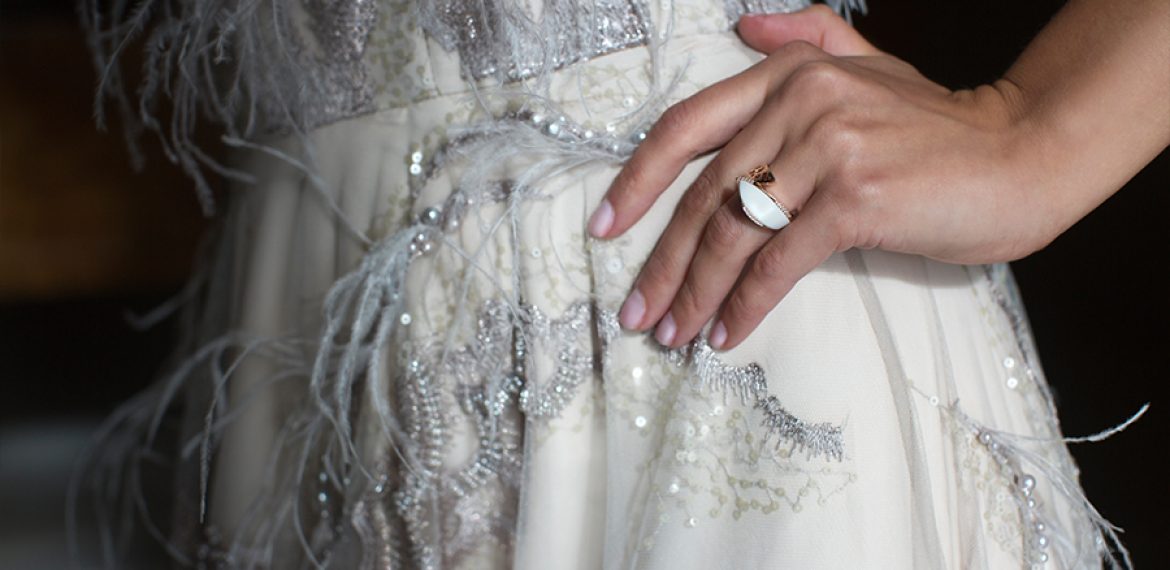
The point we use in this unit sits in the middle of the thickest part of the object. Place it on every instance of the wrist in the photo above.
(1033, 159)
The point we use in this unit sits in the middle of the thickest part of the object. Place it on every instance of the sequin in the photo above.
(341, 30)
(566, 33)
(430, 216)
(1024, 484)
(751, 386)
(501, 331)
(737, 8)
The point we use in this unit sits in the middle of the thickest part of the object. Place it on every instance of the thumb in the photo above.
(818, 25)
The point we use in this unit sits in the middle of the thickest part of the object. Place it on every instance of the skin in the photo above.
(871, 154)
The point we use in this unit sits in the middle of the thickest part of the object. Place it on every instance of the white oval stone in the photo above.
(760, 207)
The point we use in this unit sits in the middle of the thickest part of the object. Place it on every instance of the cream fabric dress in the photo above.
(406, 353)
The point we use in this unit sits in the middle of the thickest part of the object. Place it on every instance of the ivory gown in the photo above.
(409, 350)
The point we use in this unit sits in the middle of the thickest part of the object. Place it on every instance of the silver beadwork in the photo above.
(493, 40)
(750, 384)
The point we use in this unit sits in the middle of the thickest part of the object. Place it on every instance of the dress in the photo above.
(403, 349)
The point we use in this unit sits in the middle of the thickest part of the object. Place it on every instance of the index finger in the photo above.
(698, 124)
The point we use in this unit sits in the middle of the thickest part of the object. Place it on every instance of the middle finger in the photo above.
(729, 240)
(663, 273)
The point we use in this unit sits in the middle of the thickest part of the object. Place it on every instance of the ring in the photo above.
(759, 205)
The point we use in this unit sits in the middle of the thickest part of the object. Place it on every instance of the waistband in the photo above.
(416, 51)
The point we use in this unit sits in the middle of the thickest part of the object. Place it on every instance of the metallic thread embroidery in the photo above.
(737, 8)
(495, 41)
(751, 386)
(341, 29)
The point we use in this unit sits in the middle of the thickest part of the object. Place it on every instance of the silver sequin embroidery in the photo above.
(340, 29)
(750, 384)
(494, 41)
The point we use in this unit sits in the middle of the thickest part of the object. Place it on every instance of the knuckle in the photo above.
(741, 306)
(835, 133)
(844, 229)
(847, 228)
(688, 302)
(678, 121)
(631, 178)
(770, 264)
(703, 195)
(657, 272)
(861, 194)
(869, 193)
(723, 230)
(831, 83)
(797, 50)
(818, 76)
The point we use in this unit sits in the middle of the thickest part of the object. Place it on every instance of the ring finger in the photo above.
(730, 238)
(664, 271)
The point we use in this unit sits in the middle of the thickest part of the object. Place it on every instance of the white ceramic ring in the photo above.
(761, 207)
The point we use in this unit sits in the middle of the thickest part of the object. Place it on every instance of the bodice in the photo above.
(373, 55)
(264, 67)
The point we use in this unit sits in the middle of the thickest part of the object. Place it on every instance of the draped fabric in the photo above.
(403, 348)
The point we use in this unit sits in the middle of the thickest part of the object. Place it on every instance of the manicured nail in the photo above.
(632, 310)
(601, 220)
(664, 334)
(718, 335)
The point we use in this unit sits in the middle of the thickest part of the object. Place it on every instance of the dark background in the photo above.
(84, 239)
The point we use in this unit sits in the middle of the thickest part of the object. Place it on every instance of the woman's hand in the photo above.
(865, 150)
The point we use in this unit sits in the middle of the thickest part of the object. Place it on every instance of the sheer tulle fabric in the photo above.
(403, 352)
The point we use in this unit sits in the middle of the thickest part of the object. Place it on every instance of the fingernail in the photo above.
(664, 334)
(601, 220)
(632, 310)
(718, 335)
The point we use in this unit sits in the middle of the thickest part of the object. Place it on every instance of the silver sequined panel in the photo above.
(509, 43)
(493, 38)
(340, 30)
(737, 8)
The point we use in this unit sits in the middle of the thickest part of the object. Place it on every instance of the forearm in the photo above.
(1092, 95)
